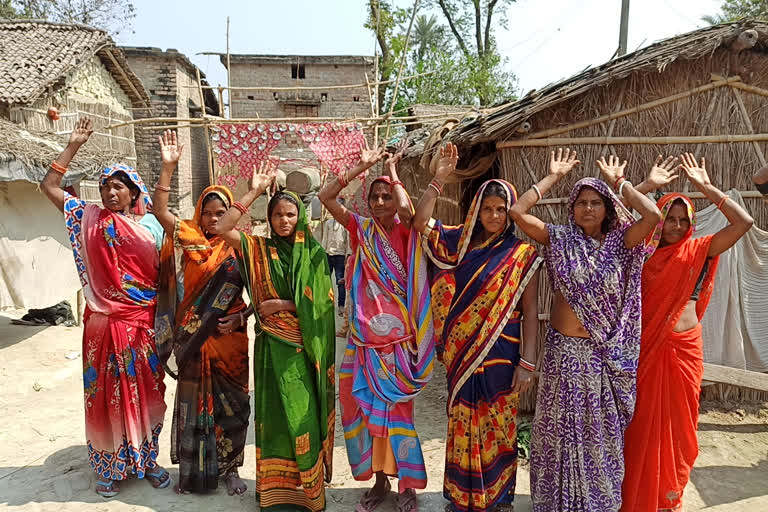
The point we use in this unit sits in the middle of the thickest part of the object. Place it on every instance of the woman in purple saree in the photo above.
(587, 382)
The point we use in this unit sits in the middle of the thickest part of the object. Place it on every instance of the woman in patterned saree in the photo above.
(287, 276)
(390, 350)
(678, 279)
(484, 293)
(201, 337)
(116, 254)
(587, 385)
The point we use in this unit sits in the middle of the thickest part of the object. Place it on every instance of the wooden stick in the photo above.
(207, 131)
(750, 88)
(529, 170)
(707, 117)
(634, 110)
(569, 141)
(402, 64)
(229, 77)
(314, 87)
(370, 96)
(170, 127)
(221, 101)
(748, 124)
(745, 194)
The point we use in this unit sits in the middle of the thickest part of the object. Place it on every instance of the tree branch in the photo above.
(478, 28)
(487, 45)
(452, 25)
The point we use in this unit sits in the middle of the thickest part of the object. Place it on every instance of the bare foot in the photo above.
(407, 502)
(179, 490)
(235, 485)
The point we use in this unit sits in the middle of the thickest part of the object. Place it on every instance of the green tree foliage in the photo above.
(113, 16)
(463, 70)
(733, 10)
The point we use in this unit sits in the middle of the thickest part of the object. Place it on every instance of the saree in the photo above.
(117, 261)
(475, 292)
(389, 356)
(586, 393)
(294, 376)
(661, 443)
(211, 409)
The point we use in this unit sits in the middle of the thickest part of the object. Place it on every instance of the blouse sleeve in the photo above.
(74, 208)
(442, 242)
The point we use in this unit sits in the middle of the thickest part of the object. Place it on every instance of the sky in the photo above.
(545, 40)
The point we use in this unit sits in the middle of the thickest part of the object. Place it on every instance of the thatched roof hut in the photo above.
(702, 92)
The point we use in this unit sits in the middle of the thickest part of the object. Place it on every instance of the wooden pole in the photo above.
(635, 110)
(750, 88)
(221, 101)
(402, 65)
(694, 139)
(748, 124)
(207, 133)
(623, 27)
(229, 77)
(735, 377)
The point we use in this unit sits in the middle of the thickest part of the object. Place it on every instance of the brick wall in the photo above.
(168, 83)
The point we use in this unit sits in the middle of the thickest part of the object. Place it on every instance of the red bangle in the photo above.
(722, 201)
(58, 167)
(438, 186)
(398, 182)
(162, 187)
(240, 206)
(525, 365)
(341, 178)
(618, 182)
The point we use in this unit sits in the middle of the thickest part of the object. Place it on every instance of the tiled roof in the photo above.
(36, 55)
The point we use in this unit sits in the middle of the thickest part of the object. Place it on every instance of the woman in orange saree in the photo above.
(202, 339)
(677, 283)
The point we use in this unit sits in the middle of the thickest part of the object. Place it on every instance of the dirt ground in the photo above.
(44, 465)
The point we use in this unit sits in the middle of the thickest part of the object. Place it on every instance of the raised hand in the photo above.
(663, 172)
(82, 132)
(369, 157)
(445, 166)
(170, 149)
(263, 177)
(611, 170)
(696, 174)
(562, 163)
(399, 153)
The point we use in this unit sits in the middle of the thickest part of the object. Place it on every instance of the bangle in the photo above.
(618, 182)
(526, 365)
(538, 191)
(621, 187)
(436, 186)
(58, 167)
(162, 188)
(398, 182)
(722, 201)
(342, 179)
(240, 207)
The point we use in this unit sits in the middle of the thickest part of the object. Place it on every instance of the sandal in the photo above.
(106, 488)
(159, 477)
(407, 501)
(370, 500)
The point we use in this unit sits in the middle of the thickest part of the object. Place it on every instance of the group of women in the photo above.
(617, 405)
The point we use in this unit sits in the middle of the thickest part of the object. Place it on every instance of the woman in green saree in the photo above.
(288, 281)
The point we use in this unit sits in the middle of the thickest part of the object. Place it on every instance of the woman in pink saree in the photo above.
(116, 254)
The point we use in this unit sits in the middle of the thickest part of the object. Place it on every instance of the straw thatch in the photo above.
(27, 155)
(659, 100)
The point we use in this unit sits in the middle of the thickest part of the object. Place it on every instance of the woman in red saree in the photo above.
(116, 254)
(677, 282)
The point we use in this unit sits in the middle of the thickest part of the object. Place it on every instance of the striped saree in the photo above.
(475, 293)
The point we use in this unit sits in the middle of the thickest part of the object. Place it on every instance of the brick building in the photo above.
(171, 80)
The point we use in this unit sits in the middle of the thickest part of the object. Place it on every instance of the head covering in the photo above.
(220, 191)
(665, 204)
(144, 202)
(380, 179)
(623, 216)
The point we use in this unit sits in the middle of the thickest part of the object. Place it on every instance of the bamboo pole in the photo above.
(221, 101)
(634, 110)
(694, 139)
(748, 124)
(402, 65)
(745, 194)
(229, 76)
(314, 87)
(750, 88)
(370, 96)
(125, 77)
(207, 130)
